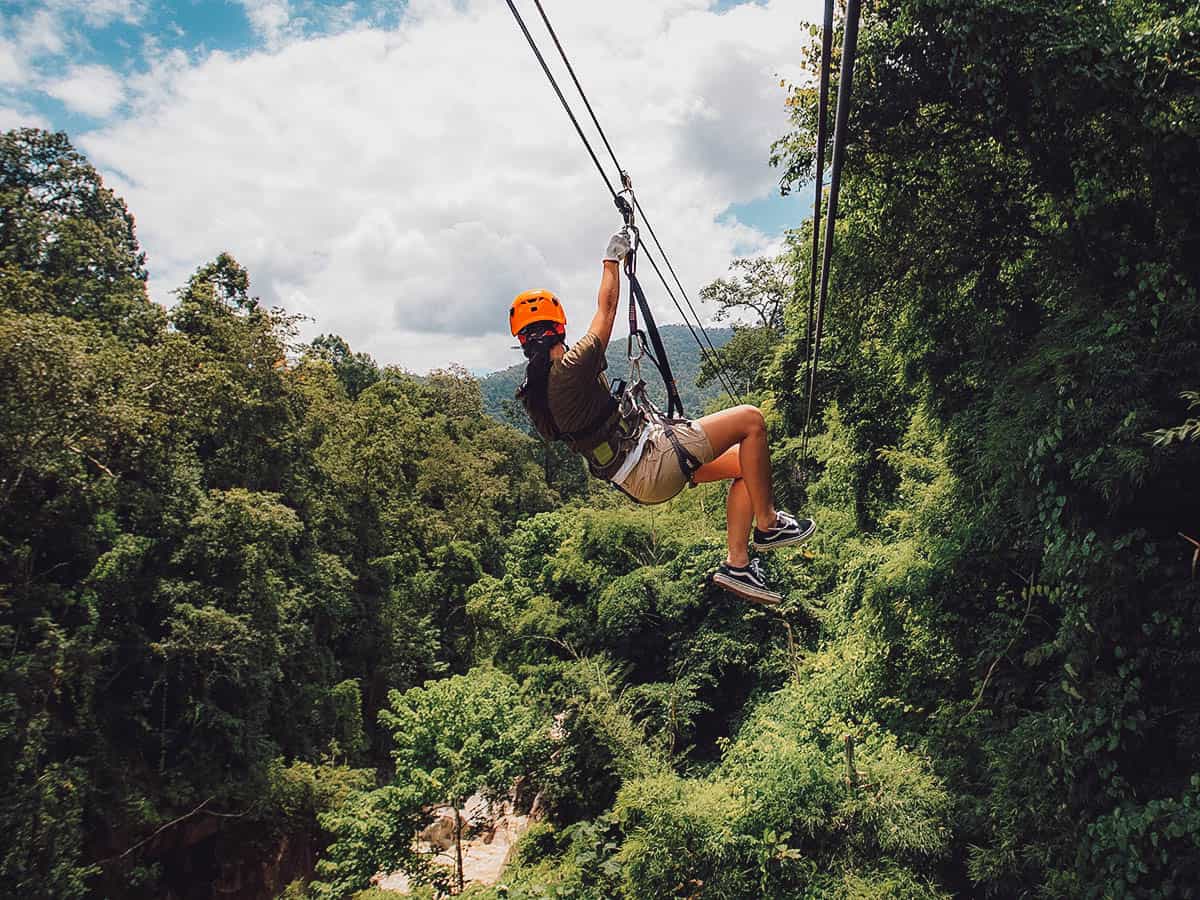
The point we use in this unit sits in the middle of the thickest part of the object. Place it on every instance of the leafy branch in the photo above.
(1188, 431)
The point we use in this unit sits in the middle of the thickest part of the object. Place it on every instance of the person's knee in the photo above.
(753, 422)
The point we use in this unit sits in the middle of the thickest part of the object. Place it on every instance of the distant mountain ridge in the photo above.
(681, 349)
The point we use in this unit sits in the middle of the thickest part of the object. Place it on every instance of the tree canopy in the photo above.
(265, 606)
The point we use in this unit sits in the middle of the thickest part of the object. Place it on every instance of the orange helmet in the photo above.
(536, 306)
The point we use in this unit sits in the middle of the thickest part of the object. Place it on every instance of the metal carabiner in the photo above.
(625, 204)
(635, 358)
(635, 241)
(641, 347)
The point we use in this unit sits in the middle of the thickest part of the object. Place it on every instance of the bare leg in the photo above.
(745, 427)
(725, 467)
(738, 516)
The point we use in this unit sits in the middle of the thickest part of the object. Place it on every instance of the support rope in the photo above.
(845, 81)
(818, 191)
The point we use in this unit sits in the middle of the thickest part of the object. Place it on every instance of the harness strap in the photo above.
(637, 299)
(688, 463)
(592, 429)
(659, 357)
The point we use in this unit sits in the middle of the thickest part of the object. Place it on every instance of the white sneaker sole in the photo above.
(747, 591)
(788, 542)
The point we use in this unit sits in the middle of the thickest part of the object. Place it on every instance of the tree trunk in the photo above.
(851, 772)
(458, 861)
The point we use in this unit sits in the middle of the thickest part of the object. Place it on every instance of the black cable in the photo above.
(587, 144)
(845, 80)
(716, 359)
(561, 99)
(574, 78)
(613, 156)
(822, 117)
(716, 362)
(671, 269)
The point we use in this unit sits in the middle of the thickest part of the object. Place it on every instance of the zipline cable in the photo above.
(561, 99)
(571, 70)
(595, 159)
(717, 364)
(819, 190)
(637, 203)
(608, 183)
(845, 80)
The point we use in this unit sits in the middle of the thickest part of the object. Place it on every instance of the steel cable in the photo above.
(637, 204)
(714, 358)
(818, 191)
(845, 81)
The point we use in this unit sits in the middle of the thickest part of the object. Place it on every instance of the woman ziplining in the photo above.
(630, 443)
(624, 437)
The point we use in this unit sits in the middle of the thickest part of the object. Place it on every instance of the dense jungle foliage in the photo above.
(263, 604)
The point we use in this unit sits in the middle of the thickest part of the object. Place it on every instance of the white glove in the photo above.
(618, 246)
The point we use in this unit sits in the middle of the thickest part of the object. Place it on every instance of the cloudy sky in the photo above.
(399, 170)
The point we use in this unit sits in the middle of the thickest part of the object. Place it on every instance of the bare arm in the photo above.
(606, 303)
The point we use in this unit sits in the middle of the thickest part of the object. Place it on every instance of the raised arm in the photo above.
(610, 289)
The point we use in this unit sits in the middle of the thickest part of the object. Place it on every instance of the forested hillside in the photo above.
(498, 388)
(264, 605)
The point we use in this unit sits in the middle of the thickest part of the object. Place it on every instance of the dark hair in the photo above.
(533, 391)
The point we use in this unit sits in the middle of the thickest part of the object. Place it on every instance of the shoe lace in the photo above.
(756, 570)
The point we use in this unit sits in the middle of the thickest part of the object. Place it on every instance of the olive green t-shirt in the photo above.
(577, 391)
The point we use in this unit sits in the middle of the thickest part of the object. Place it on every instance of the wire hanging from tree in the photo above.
(845, 82)
(818, 193)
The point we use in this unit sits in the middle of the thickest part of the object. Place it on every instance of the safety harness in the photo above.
(605, 442)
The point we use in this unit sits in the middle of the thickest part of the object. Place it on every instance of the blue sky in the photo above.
(358, 156)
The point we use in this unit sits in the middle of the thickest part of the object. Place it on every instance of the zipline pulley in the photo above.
(626, 202)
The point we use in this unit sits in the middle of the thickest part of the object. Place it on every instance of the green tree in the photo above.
(1188, 431)
(355, 371)
(213, 561)
(761, 290)
(67, 243)
(1013, 310)
(741, 360)
(462, 735)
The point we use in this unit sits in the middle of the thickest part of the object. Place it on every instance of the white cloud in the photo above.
(401, 186)
(277, 22)
(42, 33)
(12, 68)
(268, 18)
(17, 118)
(33, 38)
(91, 90)
(98, 13)
(335, 18)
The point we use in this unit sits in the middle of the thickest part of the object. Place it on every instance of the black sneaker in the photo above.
(786, 530)
(746, 582)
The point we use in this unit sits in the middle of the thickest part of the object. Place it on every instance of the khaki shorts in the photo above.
(657, 477)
